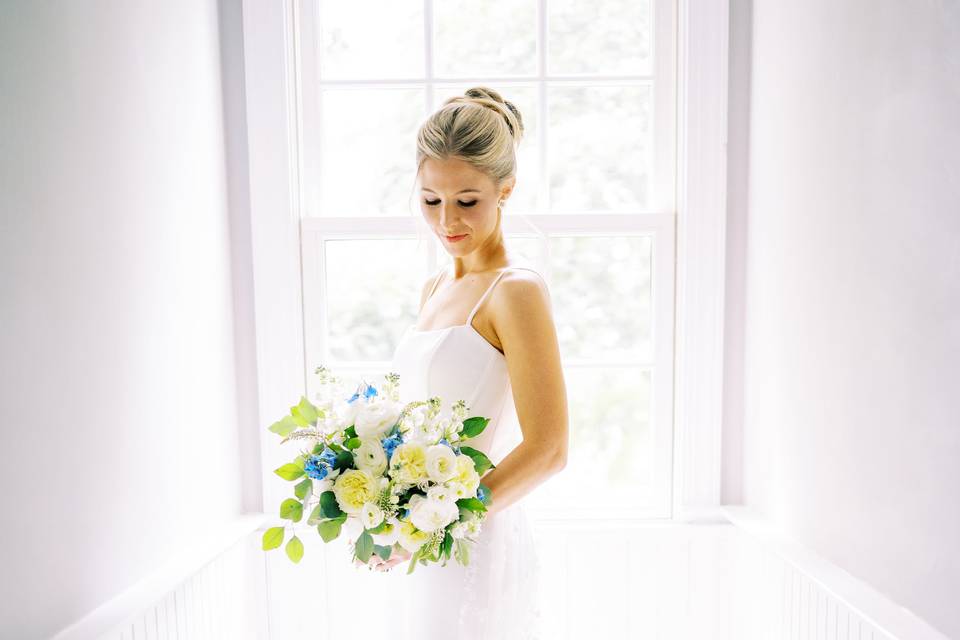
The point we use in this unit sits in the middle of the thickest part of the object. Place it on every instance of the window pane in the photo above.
(524, 98)
(602, 296)
(368, 151)
(371, 296)
(599, 140)
(610, 442)
(609, 37)
(379, 39)
(485, 38)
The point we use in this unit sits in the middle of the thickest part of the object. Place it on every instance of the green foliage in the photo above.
(472, 504)
(290, 471)
(295, 549)
(284, 427)
(350, 432)
(480, 459)
(472, 427)
(383, 551)
(487, 495)
(461, 551)
(305, 414)
(291, 509)
(344, 460)
(352, 443)
(272, 538)
(330, 529)
(303, 488)
(446, 546)
(328, 505)
(315, 516)
(364, 546)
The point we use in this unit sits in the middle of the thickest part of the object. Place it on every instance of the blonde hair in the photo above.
(479, 127)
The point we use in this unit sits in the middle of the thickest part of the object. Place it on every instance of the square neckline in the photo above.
(413, 329)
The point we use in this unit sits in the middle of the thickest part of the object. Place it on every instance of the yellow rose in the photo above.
(411, 538)
(467, 473)
(353, 489)
(408, 464)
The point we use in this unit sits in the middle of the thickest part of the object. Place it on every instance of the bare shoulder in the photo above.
(521, 303)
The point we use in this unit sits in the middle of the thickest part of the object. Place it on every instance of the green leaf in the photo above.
(447, 545)
(472, 504)
(480, 460)
(413, 561)
(382, 527)
(284, 427)
(302, 488)
(272, 538)
(487, 495)
(461, 551)
(352, 443)
(289, 471)
(315, 516)
(328, 505)
(344, 460)
(472, 427)
(350, 432)
(364, 546)
(382, 551)
(291, 509)
(295, 549)
(305, 412)
(330, 529)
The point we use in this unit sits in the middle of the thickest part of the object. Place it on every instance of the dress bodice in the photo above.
(457, 363)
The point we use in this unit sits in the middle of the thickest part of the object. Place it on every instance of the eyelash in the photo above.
(462, 204)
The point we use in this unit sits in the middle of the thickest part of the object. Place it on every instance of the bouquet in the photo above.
(400, 473)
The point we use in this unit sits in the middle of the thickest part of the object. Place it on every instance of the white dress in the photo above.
(495, 597)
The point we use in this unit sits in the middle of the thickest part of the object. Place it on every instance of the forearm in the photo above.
(520, 471)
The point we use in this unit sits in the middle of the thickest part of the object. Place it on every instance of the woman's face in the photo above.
(458, 200)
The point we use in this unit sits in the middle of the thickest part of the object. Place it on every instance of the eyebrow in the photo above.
(457, 193)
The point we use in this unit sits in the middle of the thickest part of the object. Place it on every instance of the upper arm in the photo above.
(523, 320)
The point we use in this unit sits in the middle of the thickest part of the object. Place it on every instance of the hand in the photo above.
(397, 555)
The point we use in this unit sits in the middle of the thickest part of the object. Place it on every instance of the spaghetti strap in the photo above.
(436, 281)
(490, 288)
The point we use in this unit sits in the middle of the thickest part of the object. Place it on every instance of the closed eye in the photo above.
(433, 203)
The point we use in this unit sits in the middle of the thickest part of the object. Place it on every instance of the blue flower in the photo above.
(481, 494)
(368, 391)
(446, 442)
(391, 443)
(316, 468)
(406, 513)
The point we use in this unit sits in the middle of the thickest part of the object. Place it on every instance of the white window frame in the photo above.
(273, 54)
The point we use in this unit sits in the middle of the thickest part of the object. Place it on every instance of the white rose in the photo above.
(375, 417)
(441, 463)
(371, 515)
(430, 515)
(458, 530)
(441, 493)
(459, 490)
(390, 536)
(370, 456)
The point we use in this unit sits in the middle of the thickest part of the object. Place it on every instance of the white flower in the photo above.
(441, 493)
(458, 530)
(375, 417)
(467, 473)
(441, 463)
(371, 515)
(472, 527)
(411, 538)
(370, 456)
(430, 515)
(459, 490)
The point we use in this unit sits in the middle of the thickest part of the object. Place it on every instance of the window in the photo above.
(596, 86)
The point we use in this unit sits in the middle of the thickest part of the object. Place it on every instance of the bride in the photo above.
(485, 334)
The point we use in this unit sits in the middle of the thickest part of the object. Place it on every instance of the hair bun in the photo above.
(506, 108)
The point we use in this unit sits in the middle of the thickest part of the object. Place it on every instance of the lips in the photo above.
(455, 238)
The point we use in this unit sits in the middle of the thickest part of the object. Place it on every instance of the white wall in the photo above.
(119, 407)
(850, 289)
